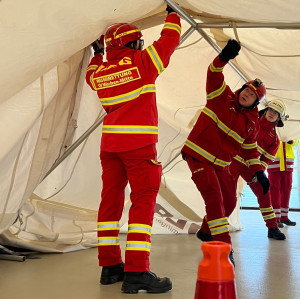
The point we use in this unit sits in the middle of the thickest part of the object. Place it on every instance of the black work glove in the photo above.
(169, 9)
(230, 51)
(98, 45)
(290, 142)
(263, 180)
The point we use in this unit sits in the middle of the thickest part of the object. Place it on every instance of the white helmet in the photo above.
(278, 106)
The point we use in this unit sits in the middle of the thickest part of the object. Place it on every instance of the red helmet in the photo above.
(118, 35)
(258, 87)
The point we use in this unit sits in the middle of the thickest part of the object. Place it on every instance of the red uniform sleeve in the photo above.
(215, 84)
(157, 56)
(268, 155)
(251, 154)
(96, 61)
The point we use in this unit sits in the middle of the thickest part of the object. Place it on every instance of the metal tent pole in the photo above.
(75, 145)
(194, 24)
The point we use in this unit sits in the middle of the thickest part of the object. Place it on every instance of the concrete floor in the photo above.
(265, 269)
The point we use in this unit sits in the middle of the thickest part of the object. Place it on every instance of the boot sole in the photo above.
(280, 239)
(111, 279)
(134, 288)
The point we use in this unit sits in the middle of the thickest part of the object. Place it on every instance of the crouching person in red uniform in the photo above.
(126, 89)
(268, 143)
(227, 125)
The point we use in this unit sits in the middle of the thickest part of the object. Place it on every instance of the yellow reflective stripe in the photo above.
(138, 245)
(129, 96)
(264, 164)
(155, 59)
(172, 26)
(126, 33)
(249, 145)
(219, 230)
(110, 225)
(222, 126)
(139, 228)
(105, 241)
(240, 159)
(265, 153)
(115, 129)
(216, 69)
(253, 162)
(205, 154)
(92, 67)
(217, 222)
(265, 210)
(269, 216)
(217, 92)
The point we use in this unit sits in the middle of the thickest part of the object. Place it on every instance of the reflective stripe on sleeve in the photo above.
(172, 26)
(155, 59)
(217, 92)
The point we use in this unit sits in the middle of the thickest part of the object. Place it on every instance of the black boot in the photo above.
(112, 274)
(203, 236)
(289, 222)
(275, 233)
(280, 224)
(135, 281)
(231, 258)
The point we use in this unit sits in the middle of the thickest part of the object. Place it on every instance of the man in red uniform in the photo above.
(281, 179)
(227, 125)
(268, 143)
(126, 89)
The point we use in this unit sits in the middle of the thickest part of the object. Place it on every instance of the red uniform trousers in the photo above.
(264, 201)
(280, 191)
(217, 189)
(140, 169)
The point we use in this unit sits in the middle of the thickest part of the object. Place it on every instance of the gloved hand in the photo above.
(263, 180)
(169, 9)
(98, 45)
(290, 142)
(230, 51)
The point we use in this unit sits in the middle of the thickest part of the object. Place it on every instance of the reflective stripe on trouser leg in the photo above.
(108, 243)
(287, 180)
(218, 226)
(269, 217)
(114, 180)
(265, 205)
(144, 175)
(277, 213)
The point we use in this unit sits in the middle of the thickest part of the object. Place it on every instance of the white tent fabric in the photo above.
(45, 106)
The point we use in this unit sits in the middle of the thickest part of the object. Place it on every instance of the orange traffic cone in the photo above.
(215, 272)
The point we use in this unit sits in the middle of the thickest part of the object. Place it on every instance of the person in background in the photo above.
(280, 174)
(125, 85)
(227, 125)
(268, 143)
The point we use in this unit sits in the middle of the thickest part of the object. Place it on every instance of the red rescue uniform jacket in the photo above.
(223, 129)
(125, 86)
(267, 143)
